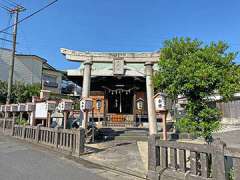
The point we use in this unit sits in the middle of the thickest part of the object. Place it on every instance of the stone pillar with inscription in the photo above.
(152, 121)
(86, 88)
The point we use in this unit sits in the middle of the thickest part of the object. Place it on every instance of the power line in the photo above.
(12, 3)
(8, 3)
(3, 39)
(6, 33)
(27, 17)
(5, 7)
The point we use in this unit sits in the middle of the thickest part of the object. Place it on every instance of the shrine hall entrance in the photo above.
(120, 102)
(120, 105)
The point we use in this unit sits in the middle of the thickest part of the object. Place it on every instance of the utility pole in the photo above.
(15, 11)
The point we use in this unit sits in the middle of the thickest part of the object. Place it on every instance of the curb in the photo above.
(125, 171)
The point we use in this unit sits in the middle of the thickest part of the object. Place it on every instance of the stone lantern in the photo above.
(98, 104)
(140, 109)
(21, 109)
(140, 104)
(65, 106)
(30, 108)
(50, 106)
(161, 107)
(86, 105)
(160, 102)
(14, 108)
(8, 108)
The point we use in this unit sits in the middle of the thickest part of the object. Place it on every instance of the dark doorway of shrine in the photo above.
(120, 102)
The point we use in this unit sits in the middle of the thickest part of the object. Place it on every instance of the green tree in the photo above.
(20, 92)
(197, 71)
(3, 92)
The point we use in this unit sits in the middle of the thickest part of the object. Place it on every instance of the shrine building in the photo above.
(120, 84)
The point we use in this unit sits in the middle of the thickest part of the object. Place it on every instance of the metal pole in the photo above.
(11, 68)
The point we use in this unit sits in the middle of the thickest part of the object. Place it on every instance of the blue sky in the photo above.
(121, 25)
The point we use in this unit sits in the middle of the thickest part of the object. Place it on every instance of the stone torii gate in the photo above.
(118, 60)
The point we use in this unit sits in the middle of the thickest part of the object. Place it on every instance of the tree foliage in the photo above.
(20, 92)
(197, 71)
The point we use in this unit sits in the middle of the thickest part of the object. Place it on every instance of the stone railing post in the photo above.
(13, 123)
(56, 137)
(218, 160)
(152, 158)
(80, 142)
(23, 131)
(37, 133)
(4, 121)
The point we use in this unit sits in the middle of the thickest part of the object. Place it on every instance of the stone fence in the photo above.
(183, 160)
(66, 140)
(6, 124)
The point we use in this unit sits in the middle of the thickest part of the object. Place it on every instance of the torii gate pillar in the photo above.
(86, 88)
(152, 121)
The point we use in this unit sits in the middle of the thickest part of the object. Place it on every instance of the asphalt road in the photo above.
(23, 161)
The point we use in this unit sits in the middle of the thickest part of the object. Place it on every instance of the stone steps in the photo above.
(129, 134)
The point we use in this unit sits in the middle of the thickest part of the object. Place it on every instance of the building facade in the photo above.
(30, 69)
(27, 68)
(51, 79)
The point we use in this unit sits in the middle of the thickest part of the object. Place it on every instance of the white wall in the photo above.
(27, 69)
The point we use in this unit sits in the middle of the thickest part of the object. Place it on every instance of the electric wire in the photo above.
(12, 3)
(7, 40)
(5, 7)
(27, 17)
(6, 33)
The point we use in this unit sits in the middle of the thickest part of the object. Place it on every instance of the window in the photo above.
(50, 81)
(49, 78)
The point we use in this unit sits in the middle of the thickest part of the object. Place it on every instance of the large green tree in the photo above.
(197, 71)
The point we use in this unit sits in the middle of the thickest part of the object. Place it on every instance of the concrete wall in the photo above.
(230, 114)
